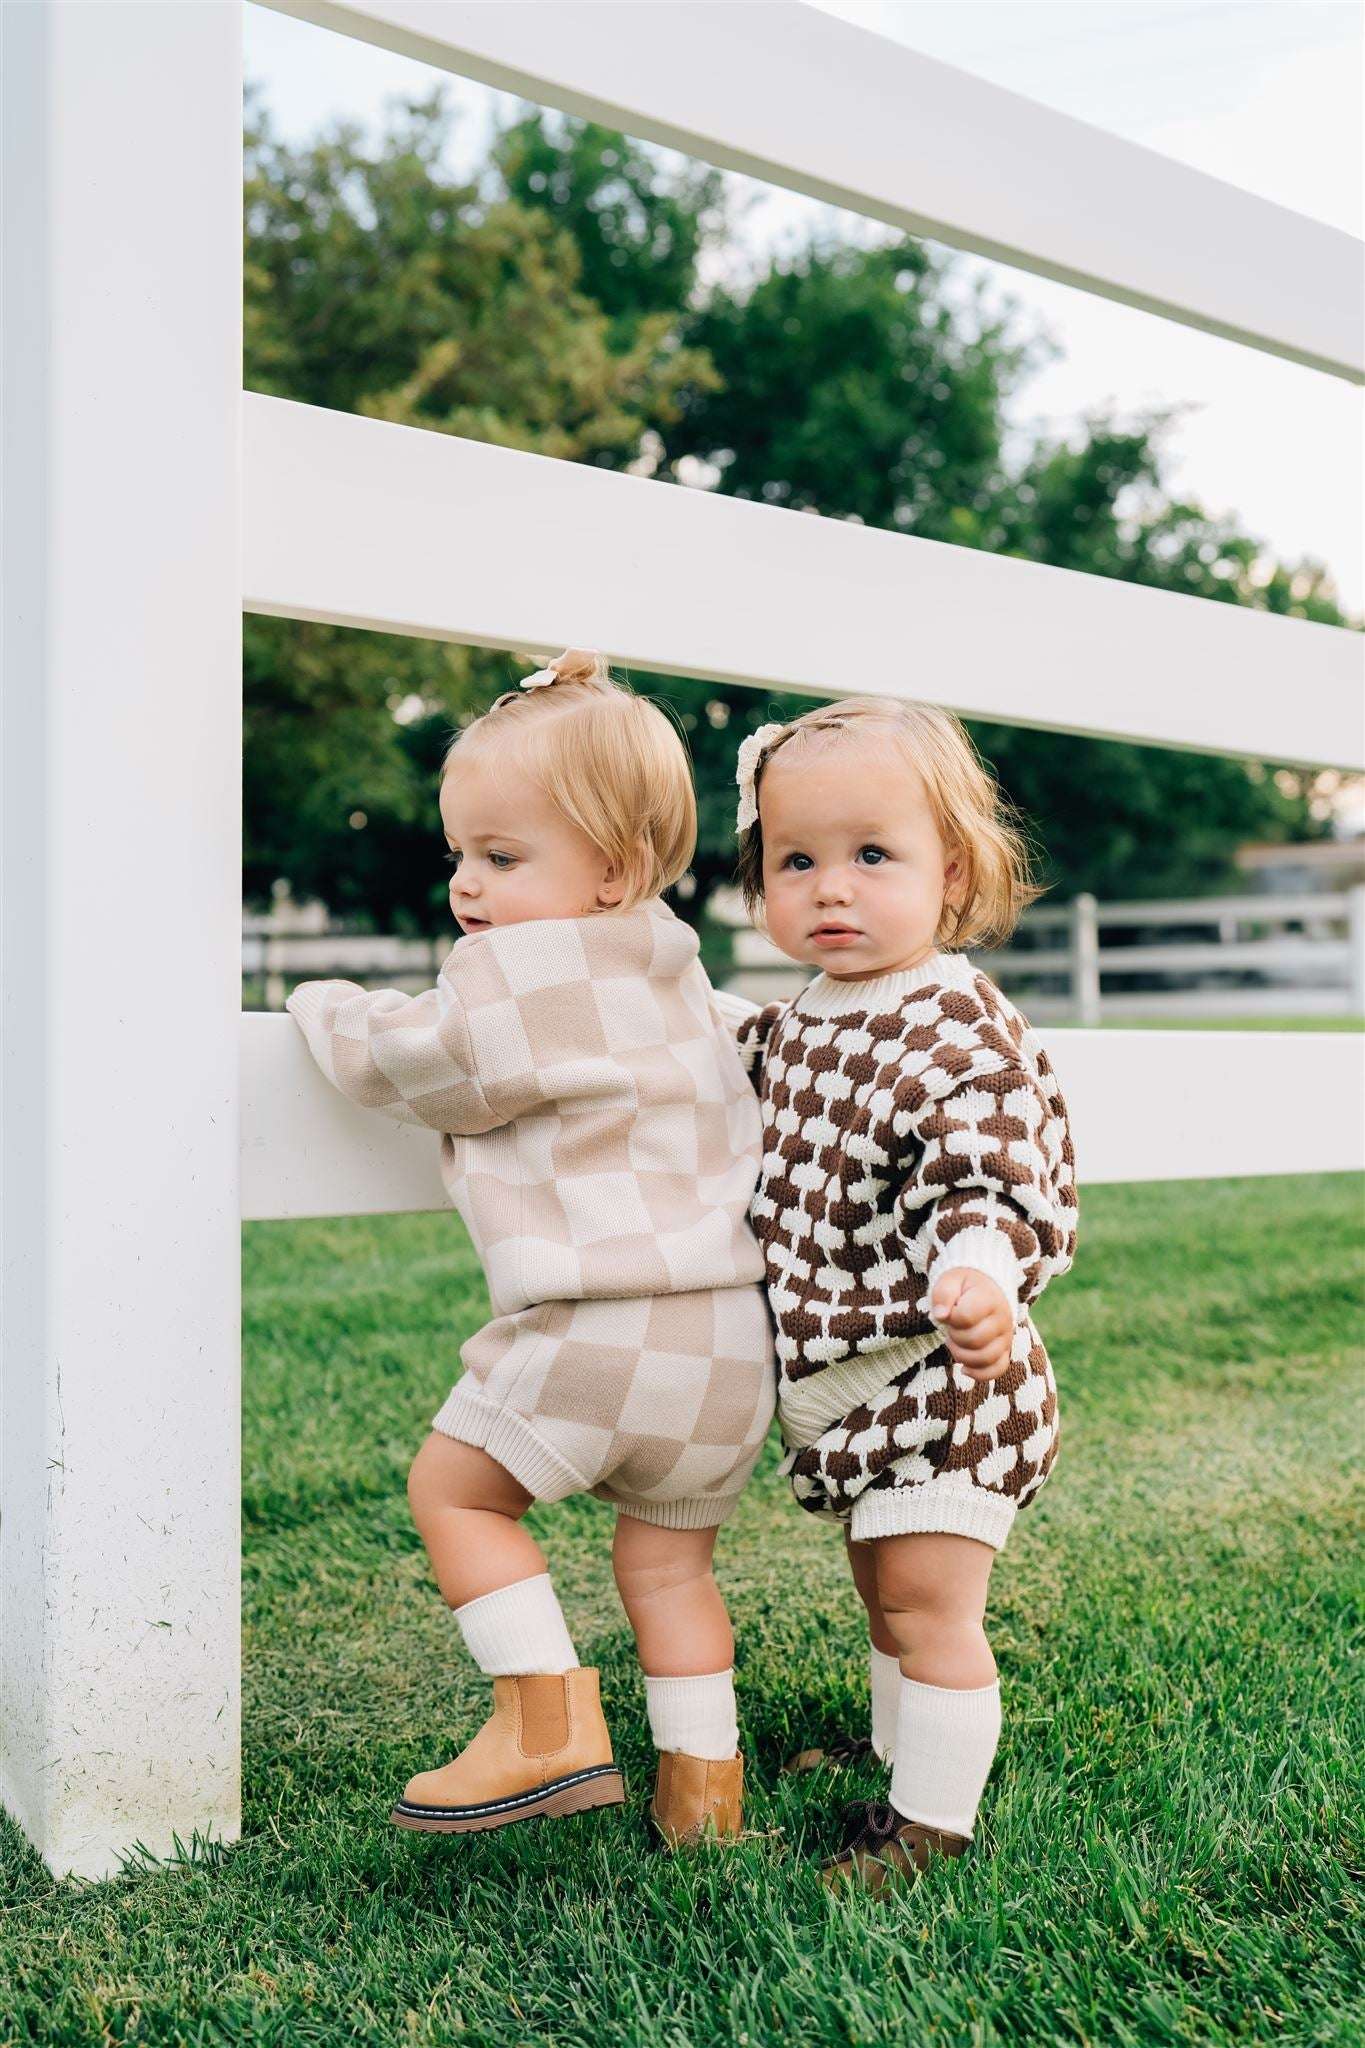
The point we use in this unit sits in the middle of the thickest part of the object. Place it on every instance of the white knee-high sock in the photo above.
(518, 1630)
(694, 1715)
(945, 1745)
(886, 1701)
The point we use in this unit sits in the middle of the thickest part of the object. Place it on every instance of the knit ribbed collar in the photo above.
(826, 997)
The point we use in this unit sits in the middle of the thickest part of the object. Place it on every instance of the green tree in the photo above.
(639, 230)
(556, 305)
(376, 285)
(860, 383)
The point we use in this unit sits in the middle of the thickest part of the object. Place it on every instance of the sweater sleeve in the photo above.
(409, 1056)
(752, 1032)
(993, 1183)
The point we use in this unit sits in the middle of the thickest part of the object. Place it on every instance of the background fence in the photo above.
(1080, 963)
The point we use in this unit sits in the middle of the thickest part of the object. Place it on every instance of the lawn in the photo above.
(1170, 1850)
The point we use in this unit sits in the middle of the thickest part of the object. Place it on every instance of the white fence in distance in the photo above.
(1243, 964)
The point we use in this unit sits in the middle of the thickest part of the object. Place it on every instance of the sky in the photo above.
(1267, 94)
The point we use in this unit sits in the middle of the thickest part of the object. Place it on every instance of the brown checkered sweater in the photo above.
(911, 1124)
(599, 1136)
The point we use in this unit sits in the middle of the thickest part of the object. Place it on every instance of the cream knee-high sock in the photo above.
(694, 1715)
(945, 1745)
(886, 1701)
(518, 1630)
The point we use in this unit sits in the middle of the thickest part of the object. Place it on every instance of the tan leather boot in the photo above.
(695, 1797)
(544, 1750)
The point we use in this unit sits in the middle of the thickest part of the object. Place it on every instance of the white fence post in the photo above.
(1085, 961)
(1356, 936)
(119, 1380)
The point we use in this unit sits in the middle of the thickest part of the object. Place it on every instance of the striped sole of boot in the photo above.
(577, 1793)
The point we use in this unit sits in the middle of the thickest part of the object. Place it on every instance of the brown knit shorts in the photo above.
(658, 1405)
(927, 1448)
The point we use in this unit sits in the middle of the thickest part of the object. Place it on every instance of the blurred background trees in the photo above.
(579, 298)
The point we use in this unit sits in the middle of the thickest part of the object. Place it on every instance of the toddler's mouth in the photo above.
(469, 924)
(831, 934)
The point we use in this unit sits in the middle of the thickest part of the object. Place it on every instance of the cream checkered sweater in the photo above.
(599, 1136)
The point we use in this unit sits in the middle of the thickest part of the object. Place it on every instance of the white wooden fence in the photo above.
(142, 1118)
(1243, 964)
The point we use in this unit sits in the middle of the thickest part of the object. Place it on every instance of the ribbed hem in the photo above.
(985, 1251)
(510, 1440)
(809, 1406)
(933, 1507)
(828, 997)
(707, 1511)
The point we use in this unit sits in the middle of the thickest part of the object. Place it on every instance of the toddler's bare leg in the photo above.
(671, 1598)
(687, 1649)
(932, 1590)
(862, 1562)
(468, 1512)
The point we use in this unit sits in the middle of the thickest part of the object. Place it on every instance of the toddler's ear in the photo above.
(611, 889)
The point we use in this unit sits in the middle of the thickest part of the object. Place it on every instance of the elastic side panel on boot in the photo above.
(544, 1714)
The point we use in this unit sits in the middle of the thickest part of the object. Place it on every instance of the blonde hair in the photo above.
(610, 761)
(976, 825)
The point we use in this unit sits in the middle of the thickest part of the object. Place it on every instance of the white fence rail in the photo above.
(369, 524)
(802, 100)
(305, 1153)
(123, 420)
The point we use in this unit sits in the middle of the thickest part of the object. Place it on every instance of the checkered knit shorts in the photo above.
(901, 1440)
(658, 1405)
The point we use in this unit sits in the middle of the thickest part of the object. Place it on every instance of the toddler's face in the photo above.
(855, 874)
(516, 856)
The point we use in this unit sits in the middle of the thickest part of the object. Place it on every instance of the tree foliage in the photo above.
(557, 304)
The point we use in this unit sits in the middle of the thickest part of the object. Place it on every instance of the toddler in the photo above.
(601, 1142)
(916, 1194)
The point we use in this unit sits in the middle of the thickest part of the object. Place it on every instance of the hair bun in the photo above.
(579, 665)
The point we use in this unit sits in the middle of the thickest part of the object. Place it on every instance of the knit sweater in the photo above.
(911, 1124)
(598, 1135)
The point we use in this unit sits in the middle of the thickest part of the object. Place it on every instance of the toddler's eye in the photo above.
(501, 861)
(872, 856)
(454, 859)
(801, 862)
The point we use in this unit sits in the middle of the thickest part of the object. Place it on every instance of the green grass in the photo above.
(1168, 1853)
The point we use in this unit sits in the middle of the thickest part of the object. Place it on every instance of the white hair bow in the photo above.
(542, 678)
(746, 771)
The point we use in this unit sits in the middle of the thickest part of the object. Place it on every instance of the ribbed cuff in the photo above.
(947, 1507)
(518, 1630)
(510, 1440)
(702, 1511)
(305, 1003)
(985, 1251)
(695, 1716)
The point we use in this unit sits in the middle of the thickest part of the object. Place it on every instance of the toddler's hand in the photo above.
(977, 1321)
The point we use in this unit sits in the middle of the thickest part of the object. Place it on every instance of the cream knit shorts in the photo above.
(658, 1405)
